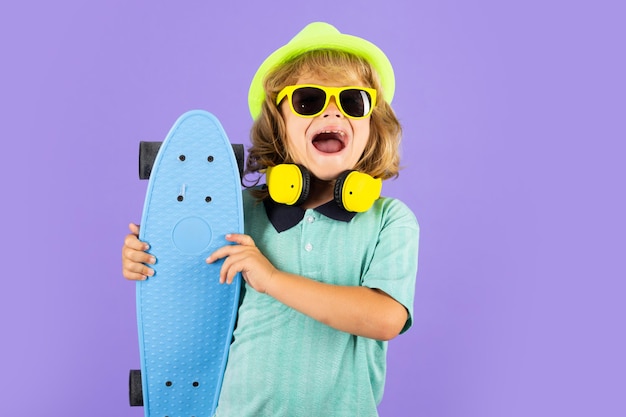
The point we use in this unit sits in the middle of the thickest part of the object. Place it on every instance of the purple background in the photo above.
(513, 117)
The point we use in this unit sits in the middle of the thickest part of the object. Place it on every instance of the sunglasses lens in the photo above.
(356, 103)
(308, 101)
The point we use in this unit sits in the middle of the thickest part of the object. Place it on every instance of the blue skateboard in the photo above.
(185, 317)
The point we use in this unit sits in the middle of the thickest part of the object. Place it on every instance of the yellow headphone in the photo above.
(354, 191)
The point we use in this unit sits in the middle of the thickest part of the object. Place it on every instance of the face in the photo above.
(329, 143)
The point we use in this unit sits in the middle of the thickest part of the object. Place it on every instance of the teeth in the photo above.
(339, 132)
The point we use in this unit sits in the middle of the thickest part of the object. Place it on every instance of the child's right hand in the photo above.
(134, 256)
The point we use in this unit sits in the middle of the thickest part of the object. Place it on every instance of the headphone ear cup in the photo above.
(338, 191)
(356, 191)
(288, 183)
(306, 184)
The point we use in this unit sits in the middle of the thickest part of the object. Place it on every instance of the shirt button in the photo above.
(310, 219)
(308, 247)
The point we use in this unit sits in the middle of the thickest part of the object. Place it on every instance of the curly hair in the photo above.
(381, 156)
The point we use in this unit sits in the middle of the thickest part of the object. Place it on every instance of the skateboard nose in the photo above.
(192, 235)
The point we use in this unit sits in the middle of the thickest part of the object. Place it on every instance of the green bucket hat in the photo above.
(319, 35)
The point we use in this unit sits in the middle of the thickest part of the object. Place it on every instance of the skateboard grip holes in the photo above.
(182, 157)
(168, 383)
(196, 384)
(208, 199)
(210, 158)
(181, 195)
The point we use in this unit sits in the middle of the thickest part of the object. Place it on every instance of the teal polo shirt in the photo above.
(284, 363)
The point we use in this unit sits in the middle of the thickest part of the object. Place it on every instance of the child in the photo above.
(329, 275)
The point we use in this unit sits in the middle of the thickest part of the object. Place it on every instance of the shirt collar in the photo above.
(284, 217)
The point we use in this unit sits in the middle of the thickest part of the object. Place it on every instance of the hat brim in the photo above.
(329, 39)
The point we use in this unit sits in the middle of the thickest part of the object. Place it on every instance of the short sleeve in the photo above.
(393, 267)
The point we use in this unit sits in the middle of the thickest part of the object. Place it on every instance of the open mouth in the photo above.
(329, 141)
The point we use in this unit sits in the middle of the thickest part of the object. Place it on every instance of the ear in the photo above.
(288, 183)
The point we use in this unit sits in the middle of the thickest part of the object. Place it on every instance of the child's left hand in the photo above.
(246, 258)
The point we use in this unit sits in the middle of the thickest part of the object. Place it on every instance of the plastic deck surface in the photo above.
(185, 317)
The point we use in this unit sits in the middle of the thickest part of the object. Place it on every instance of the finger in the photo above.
(231, 267)
(227, 250)
(130, 268)
(223, 252)
(231, 276)
(134, 228)
(134, 231)
(135, 271)
(131, 276)
(226, 266)
(240, 239)
(131, 241)
(137, 256)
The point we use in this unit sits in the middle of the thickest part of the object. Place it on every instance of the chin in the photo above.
(329, 169)
(327, 174)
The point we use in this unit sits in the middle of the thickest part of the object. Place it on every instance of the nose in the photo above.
(332, 109)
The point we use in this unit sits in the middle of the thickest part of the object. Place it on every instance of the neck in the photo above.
(320, 192)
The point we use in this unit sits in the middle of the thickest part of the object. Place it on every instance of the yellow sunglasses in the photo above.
(310, 100)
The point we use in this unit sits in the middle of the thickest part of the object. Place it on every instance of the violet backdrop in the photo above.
(513, 116)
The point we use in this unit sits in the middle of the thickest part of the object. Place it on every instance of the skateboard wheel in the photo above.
(135, 392)
(239, 156)
(148, 152)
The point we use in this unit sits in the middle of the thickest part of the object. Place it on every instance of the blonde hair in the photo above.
(381, 157)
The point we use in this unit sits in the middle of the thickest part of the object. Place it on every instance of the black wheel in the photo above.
(239, 156)
(135, 392)
(148, 152)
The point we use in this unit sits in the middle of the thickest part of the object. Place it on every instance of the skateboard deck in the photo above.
(185, 317)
